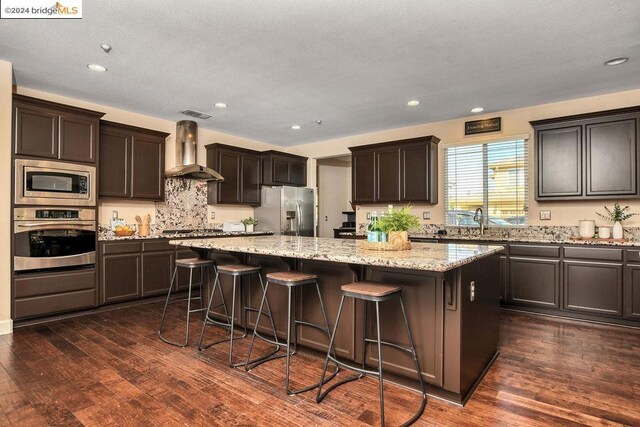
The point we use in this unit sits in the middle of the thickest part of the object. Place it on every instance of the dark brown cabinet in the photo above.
(157, 268)
(534, 282)
(283, 169)
(241, 169)
(131, 162)
(400, 171)
(50, 130)
(593, 287)
(589, 156)
(632, 292)
(120, 277)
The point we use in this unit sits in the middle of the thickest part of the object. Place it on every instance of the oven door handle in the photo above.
(62, 225)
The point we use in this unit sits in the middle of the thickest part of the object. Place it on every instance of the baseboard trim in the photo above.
(6, 327)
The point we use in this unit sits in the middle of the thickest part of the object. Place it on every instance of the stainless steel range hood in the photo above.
(186, 155)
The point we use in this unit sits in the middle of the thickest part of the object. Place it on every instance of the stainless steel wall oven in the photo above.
(53, 238)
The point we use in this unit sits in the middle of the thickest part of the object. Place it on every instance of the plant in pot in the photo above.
(397, 223)
(249, 223)
(616, 215)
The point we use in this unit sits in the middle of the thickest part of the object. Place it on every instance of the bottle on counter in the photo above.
(372, 228)
(382, 236)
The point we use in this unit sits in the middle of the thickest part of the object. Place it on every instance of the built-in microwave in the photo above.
(46, 182)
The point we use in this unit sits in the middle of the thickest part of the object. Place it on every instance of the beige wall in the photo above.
(6, 76)
(128, 209)
(514, 122)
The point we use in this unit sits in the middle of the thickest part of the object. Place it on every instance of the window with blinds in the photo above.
(491, 176)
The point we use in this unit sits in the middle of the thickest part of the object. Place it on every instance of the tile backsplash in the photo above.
(184, 206)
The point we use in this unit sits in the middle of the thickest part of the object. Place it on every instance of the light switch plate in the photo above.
(426, 215)
(213, 215)
(368, 216)
(545, 215)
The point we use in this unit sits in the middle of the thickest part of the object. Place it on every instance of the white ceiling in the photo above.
(352, 64)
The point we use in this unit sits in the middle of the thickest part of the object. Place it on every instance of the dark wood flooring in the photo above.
(110, 369)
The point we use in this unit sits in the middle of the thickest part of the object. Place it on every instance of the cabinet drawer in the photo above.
(633, 255)
(121, 248)
(551, 251)
(50, 304)
(156, 245)
(605, 254)
(44, 284)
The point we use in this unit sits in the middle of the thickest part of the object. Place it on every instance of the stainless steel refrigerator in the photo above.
(287, 210)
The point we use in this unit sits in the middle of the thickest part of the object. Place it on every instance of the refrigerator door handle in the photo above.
(299, 213)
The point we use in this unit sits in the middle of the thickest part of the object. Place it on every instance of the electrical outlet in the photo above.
(426, 215)
(213, 215)
(368, 216)
(545, 215)
(472, 291)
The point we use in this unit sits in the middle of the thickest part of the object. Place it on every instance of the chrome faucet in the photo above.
(479, 218)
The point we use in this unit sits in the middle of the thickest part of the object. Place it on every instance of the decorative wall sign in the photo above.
(483, 126)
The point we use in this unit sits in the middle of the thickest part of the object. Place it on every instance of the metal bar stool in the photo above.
(236, 271)
(191, 264)
(290, 279)
(375, 292)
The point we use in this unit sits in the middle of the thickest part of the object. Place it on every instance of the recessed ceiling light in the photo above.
(106, 47)
(296, 127)
(617, 61)
(477, 110)
(220, 105)
(413, 103)
(96, 67)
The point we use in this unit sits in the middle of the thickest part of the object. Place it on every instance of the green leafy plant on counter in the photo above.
(249, 221)
(617, 214)
(399, 220)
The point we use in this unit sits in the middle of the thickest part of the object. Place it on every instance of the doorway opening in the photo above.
(334, 196)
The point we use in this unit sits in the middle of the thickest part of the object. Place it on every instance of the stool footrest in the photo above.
(390, 344)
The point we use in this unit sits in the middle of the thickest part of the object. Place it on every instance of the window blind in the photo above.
(491, 176)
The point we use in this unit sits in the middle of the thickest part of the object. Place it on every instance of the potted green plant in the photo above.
(397, 223)
(616, 215)
(248, 224)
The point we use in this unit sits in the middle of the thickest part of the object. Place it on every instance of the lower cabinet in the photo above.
(632, 291)
(593, 287)
(135, 269)
(534, 282)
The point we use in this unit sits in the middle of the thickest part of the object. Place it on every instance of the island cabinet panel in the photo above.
(131, 162)
(588, 156)
(388, 174)
(423, 296)
(534, 282)
(611, 149)
(241, 171)
(395, 172)
(56, 131)
(593, 287)
(280, 168)
(632, 291)
(277, 294)
(331, 276)
(364, 176)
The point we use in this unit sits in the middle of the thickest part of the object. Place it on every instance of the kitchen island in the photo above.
(451, 293)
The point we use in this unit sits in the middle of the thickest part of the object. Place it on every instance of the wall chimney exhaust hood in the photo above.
(187, 154)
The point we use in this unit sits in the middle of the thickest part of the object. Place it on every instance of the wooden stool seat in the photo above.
(195, 262)
(238, 269)
(370, 289)
(291, 278)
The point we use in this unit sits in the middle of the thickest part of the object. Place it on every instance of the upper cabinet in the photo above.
(55, 131)
(283, 169)
(131, 162)
(403, 171)
(241, 170)
(589, 156)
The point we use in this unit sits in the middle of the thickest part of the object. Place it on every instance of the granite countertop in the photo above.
(513, 239)
(105, 237)
(422, 256)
